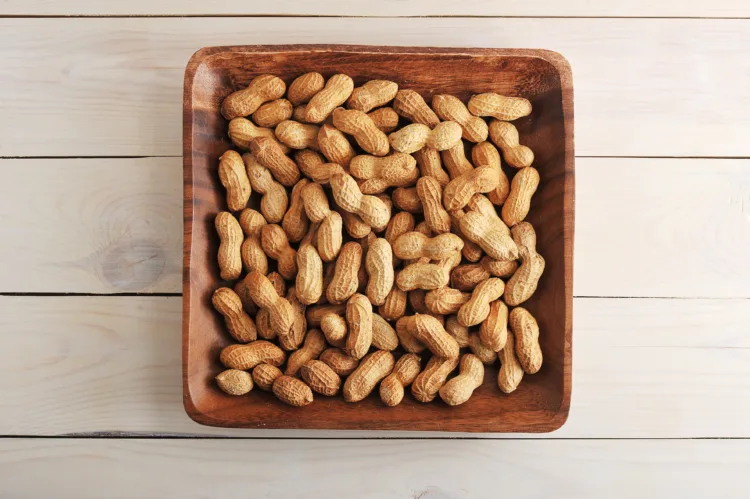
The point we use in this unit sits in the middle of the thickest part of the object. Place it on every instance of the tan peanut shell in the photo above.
(471, 250)
(339, 362)
(484, 353)
(526, 331)
(321, 378)
(274, 200)
(264, 375)
(427, 384)
(247, 303)
(276, 245)
(313, 167)
(264, 295)
(430, 193)
(407, 199)
(296, 334)
(406, 337)
(272, 113)
(412, 106)
(413, 245)
(348, 196)
(416, 136)
(374, 93)
(315, 202)
(315, 313)
(522, 188)
(263, 324)
(485, 154)
(450, 108)
(404, 373)
(233, 177)
(242, 132)
(455, 161)
(330, 237)
(344, 282)
(268, 153)
(466, 277)
(311, 349)
(394, 306)
(245, 102)
(295, 222)
(245, 357)
(459, 389)
(460, 333)
(334, 329)
(499, 106)
(378, 174)
(309, 280)
(235, 382)
(360, 126)
(383, 335)
(239, 324)
(430, 165)
(494, 328)
(359, 322)
(335, 146)
(446, 300)
(385, 118)
(428, 331)
(304, 87)
(505, 136)
(292, 391)
(379, 266)
(422, 276)
(337, 90)
(490, 234)
(297, 135)
(401, 223)
(230, 236)
(461, 189)
(524, 281)
(367, 375)
(354, 224)
(499, 268)
(510, 374)
(477, 308)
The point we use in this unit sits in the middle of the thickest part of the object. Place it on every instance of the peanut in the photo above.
(505, 136)
(483, 205)
(309, 281)
(406, 337)
(499, 268)
(485, 154)
(263, 324)
(315, 313)
(412, 106)
(304, 87)
(404, 373)
(372, 210)
(276, 245)
(484, 353)
(522, 187)
(297, 334)
(297, 135)
(414, 245)
(230, 236)
(264, 375)
(428, 331)
(428, 382)
(330, 232)
(235, 382)
(494, 328)
(233, 177)
(362, 276)
(339, 362)
(252, 254)
(466, 277)
(239, 324)
(407, 199)
(247, 303)
(396, 170)
(460, 190)
(422, 276)
(274, 202)
(245, 102)
(379, 266)
(416, 136)
(471, 250)
(337, 90)
(334, 329)
(354, 225)
(344, 282)
(524, 281)
(361, 127)
(511, 372)
(245, 357)
(460, 333)
(292, 391)
(450, 108)
(312, 165)
(499, 107)
(455, 160)
(299, 114)
(430, 165)
(385, 118)
(477, 308)
(430, 193)
(268, 153)
(445, 300)
(359, 320)
(295, 222)
(491, 235)
(272, 113)
(367, 375)
(394, 306)
(401, 223)
(459, 389)
(321, 378)
(383, 335)
(335, 146)
(242, 132)
(374, 93)
(526, 331)
(264, 295)
(313, 346)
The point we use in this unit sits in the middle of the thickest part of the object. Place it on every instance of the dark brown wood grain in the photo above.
(542, 401)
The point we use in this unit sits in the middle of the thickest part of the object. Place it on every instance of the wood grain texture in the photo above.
(643, 368)
(541, 403)
(657, 223)
(114, 86)
(392, 469)
(395, 8)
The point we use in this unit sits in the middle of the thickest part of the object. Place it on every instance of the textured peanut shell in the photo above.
(344, 282)
(313, 167)
(242, 131)
(252, 255)
(297, 135)
(485, 154)
(499, 106)
(374, 93)
(264, 375)
(430, 165)
(276, 245)
(272, 113)
(295, 222)
(494, 328)
(309, 281)
(416, 136)
(239, 324)
(269, 154)
(367, 375)
(361, 127)
(404, 373)
(385, 118)
(407, 199)
(394, 306)
(334, 329)
(313, 346)
(413, 107)
(427, 384)
(460, 333)
(511, 372)
(302, 89)
(459, 389)
(499, 268)
(379, 266)
(461, 189)
(359, 322)
(413, 245)
(491, 235)
(339, 362)
(455, 161)
(378, 174)
(233, 177)
(482, 351)
(505, 136)
(422, 276)
(450, 108)
(274, 200)
(430, 193)
(348, 196)
(335, 146)
(316, 313)
(477, 308)
(229, 254)
(235, 382)
(522, 188)
(354, 225)
(526, 331)
(245, 357)
(337, 89)
(292, 391)
(467, 276)
(445, 300)
(263, 324)
(383, 335)
(320, 378)
(245, 102)
(524, 281)
(406, 337)
(428, 331)
(330, 237)
(265, 296)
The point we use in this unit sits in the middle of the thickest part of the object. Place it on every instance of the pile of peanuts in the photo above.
(389, 258)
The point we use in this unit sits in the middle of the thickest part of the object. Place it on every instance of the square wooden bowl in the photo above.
(542, 401)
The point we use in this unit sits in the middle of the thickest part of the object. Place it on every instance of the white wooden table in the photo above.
(91, 237)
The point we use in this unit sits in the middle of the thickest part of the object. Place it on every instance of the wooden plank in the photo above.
(115, 225)
(113, 86)
(395, 8)
(436, 469)
(642, 368)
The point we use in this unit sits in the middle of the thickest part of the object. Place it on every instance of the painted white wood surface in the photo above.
(389, 469)
(103, 87)
(652, 368)
(115, 225)
(395, 8)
